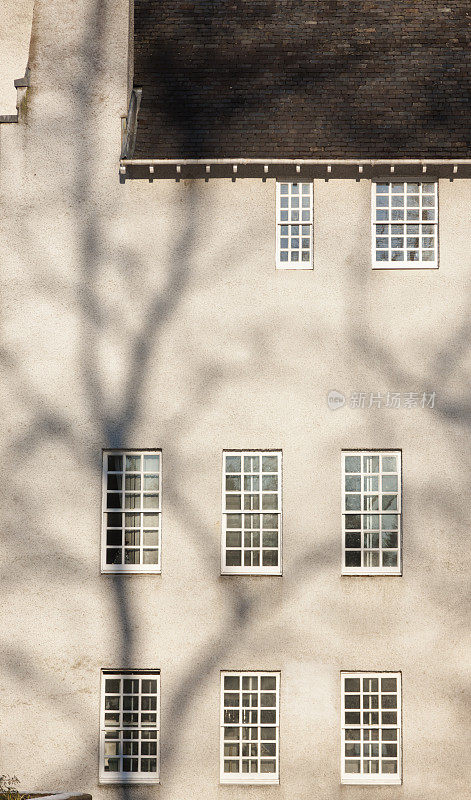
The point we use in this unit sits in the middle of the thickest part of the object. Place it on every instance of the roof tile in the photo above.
(330, 78)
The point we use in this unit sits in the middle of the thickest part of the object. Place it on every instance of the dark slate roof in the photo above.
(303, 78)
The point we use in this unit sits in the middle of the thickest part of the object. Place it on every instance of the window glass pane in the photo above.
(151, 557)
(352, 463)
(269, 463)
(113, 556)
(233, 463)
(352, 766)
(151, 482)
(352, 701)
(233, 558)
(270, 558)
(389, 483)
(352, 558)
(115, 481)
(151, 463)
(352, 521)
(115, 462)
(352, 684)
(112, 685)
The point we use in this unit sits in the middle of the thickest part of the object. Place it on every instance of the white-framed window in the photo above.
(130, 727)
(405, 224)
(293, 225)
(371, 727)
(251, 506)
(250, 727)
(371, 512)
(132, 490)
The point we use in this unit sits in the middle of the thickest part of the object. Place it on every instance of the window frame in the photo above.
(404, 264)
(127, 777)
(251, 570)
(296, 265)
(250, 778)
(380, 570)
(371, 779)
(129, 569)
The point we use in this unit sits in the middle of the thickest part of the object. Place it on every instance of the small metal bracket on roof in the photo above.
(360, 168)
(424, 168)
(265, 169)
(179, 169)
(151, 169)
(455, 169)
(208, 168)
(122, 169)
(20, 83)
(298, 168)
(329, 168)
(392, 167)
(234, 168)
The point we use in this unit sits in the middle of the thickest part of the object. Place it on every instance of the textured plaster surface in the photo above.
(15, 34)
(150, 315)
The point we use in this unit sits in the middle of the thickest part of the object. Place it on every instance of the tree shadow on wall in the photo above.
(38, 551)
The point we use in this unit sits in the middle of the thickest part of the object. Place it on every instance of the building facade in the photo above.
(235, 369)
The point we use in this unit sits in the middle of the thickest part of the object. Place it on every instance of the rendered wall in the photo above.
(151, 315)
(15, 35)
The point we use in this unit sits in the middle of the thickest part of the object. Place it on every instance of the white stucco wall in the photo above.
(151, 315)
(15, 35)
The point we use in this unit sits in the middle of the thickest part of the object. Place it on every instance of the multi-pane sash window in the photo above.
(251, 535)
(371, 727)
(131, 511)
(405, 224)
(250, 727)
(293, 225)
(371, 512)
(129, 727)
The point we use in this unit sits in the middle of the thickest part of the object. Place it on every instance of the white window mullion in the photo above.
(371, 728)
(263, 523)
(250, 731)
(405, 224)
(131, 527)
(129, 727)
(371, 512)
(294, 225)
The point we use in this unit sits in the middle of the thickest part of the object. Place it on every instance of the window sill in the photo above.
(132, 571)
(402, 265)
(249, 780)
(305, 267)
(120, 781)
(249, 572)
(372, 573)
(360, 781)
